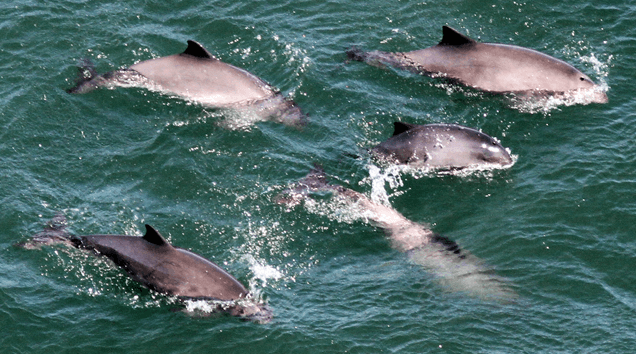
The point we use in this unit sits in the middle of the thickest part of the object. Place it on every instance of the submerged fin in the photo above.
(355, 53)
(401, 127)
(448, 244)
(86, 73)
(58, 223)
(154, 237)
(316, 178)
(196, 50)
(451, 37)
(54, 232)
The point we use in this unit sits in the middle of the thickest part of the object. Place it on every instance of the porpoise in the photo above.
(159, 266)
(198, 76)
(442, 146)
(491, 67)
(456, 269)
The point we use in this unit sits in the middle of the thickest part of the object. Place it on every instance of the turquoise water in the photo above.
(558, 224)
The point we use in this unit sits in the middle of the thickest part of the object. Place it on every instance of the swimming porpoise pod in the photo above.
(491, 67)
(442, 146)
(198, 76)
(159, 266)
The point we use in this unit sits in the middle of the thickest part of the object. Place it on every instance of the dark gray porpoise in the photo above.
(490, 67)
(158, 265)
(441, 146)
(198, 76)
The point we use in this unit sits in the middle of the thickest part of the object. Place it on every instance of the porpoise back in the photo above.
(198, 75)
(170, 270)
(490, 67)
(155, 263)
(441, 146)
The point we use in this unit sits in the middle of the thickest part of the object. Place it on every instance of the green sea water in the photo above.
(559, 224)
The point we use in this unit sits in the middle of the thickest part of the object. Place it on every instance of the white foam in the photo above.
(262, 271)
(379, 178)
(391, 175)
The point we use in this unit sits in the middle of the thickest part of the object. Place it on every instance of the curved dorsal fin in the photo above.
(196, 50)
(401, 127)
(451, 37)
(153, 236)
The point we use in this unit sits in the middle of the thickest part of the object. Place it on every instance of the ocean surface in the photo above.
(559, 225)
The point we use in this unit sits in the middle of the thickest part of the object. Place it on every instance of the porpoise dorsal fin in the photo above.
(451, 37)
(153, 236)
(196, 50)
(58, 223)
(401, 127)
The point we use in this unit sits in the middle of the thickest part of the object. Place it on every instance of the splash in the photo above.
(262, 239)
(391, 175)
(339, 208)
(547, 103)
(379, 178)
(262, 272)
(206, 306)
(601, 69)
(247, 308)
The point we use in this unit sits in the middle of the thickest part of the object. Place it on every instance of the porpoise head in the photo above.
(577, 82)
(491, 151)
(589, 88)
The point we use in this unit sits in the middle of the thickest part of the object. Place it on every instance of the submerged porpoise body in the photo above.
(198, 76)
(454, 268)
(491, 67)
(159, 266)
(442, 146)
